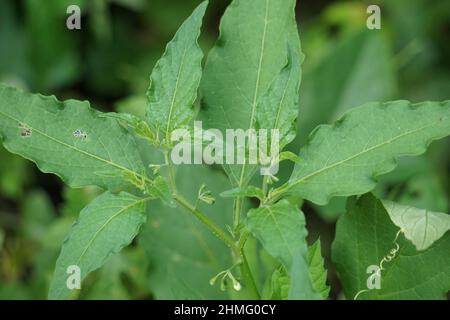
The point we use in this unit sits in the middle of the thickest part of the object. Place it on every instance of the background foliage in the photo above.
(108, 62)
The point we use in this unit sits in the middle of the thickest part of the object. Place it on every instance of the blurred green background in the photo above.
(108, 62)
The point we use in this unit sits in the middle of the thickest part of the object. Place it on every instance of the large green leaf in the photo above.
(250, 52)
(184, 254)
(365, 234)
(281, 229)
(176, 77)
(343, 159)
(423, 227)
(69, 139)
(104, 227)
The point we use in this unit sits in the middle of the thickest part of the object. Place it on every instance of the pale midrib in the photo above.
(175, 92)
(104, 226)
(258, 79)
(357, 155)
(74, 148)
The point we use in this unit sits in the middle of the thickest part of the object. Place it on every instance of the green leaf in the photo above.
(278, 106)
(37, 214)
(317, 270)
(357, 69)
(341, 72)
(239, 69)
(287, 155)
(175, 79)
(140, 127)
(365, 234)
(14, 174)
(421, 226)
(51, 49)
(68, 138)
(159, 188)
(343, 159)
(76, 199)
(185, 255)
(281, 229)
(104, 227)
(302, 287)
(248, 191)
(279, 285)
(425, 190)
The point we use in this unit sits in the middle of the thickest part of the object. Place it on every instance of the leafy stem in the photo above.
(237, 212)
(170, 173)
(238, 249)
(229, 241)
(265, 185)
(247, 276)
(214, 228)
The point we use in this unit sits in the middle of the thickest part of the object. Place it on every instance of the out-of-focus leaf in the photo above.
(51, 47)
(357, 70)
(76, 199)
(37, 214)
(425, 191)
(14, 174)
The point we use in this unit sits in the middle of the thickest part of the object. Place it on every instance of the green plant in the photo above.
(251, 80)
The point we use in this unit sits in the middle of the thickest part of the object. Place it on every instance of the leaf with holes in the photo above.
(69, 139)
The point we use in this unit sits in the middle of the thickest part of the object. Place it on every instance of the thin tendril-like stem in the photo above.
(387, 258)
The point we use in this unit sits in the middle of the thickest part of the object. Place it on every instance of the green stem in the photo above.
(264, 185)
(248, 277)
(278, 193)
(237, 212)
(228, 240)
(215, 229)
(170, 174)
